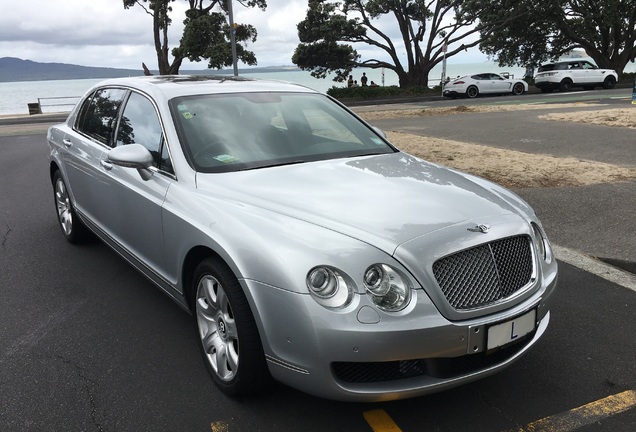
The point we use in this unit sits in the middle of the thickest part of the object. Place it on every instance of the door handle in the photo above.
(106, 165)
(67, 142)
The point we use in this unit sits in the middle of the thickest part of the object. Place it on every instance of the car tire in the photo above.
(566, 85)
(72, 227)
(609, 82)
(518, 89)
(228, 336)
(472, 92)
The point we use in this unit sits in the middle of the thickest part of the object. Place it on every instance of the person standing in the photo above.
(363, 79)
(350, 81)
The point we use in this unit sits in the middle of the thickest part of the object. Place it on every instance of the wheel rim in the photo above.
(517, 89)
(217, 328)
(63, 204)
(472, 92)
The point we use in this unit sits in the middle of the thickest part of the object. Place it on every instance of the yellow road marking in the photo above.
(220, 427)
(380, 421)
(584, 415)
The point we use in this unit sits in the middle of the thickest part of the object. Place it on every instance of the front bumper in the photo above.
(361, 354)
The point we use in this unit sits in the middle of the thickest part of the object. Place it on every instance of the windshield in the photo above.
(232, 132)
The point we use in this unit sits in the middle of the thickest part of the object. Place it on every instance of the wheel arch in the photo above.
(468, 91)
(193, 258)
(53, 168)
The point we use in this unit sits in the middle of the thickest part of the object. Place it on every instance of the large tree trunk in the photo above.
(416, 77)
(160, 31)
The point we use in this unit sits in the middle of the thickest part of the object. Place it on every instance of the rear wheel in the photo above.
(72, 228)
(566, 85)
(228, 335)
(518, 89)
(472, 92)
(609, 82)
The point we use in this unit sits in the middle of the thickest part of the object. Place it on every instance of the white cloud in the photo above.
(102, 33)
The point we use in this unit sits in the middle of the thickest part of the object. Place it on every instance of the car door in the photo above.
(498, 84)
(590, 73)
(85, 148)
(577, 73)
(134, 219)
(482, 81)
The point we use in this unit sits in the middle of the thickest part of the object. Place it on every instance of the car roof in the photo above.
(170, 86)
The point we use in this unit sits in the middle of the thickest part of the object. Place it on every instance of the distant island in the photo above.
(14, 69)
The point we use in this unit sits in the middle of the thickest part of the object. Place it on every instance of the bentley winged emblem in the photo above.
(482, 228)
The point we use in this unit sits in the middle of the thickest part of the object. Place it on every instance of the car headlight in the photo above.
(328, 287)
(544, 249)
(387, 288)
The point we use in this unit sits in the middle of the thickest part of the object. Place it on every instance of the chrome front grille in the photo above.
(482, 275)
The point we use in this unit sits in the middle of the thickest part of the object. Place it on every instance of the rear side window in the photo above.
(98, 114)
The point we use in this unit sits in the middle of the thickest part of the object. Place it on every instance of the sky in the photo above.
(102, 33)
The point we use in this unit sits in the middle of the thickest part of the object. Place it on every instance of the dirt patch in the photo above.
(510, 168)
(462, 109)
(513, 168)
(620, 117)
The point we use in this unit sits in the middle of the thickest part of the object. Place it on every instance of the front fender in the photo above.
(259, 244)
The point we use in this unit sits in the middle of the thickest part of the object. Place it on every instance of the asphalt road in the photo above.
(594, 219)
(88, 344)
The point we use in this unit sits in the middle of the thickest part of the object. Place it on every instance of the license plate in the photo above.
(510, 331)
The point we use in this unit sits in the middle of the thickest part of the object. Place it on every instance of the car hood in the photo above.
(383, 200)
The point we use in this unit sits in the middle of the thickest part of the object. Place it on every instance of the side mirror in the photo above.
(379, 131)
(132, 156)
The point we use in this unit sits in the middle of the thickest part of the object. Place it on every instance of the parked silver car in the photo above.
(307, 247)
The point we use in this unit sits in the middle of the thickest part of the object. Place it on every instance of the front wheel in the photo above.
(609, 82)
(228, 335)
(518, 89)
(472, 92)
(72, 228)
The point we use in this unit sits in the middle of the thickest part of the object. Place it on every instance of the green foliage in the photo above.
(380, 92)
(627, 77)
(206, 33)
(333, 30)
(206, 36)
(538, 31)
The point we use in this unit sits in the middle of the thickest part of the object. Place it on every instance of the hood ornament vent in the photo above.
(482, 228)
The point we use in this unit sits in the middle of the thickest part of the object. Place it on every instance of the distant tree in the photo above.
(422, 28)
(545, 30)
(206, 33)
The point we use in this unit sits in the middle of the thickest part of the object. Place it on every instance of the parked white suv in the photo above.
(573, 73)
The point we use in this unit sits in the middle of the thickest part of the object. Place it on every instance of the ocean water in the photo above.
(61, 95)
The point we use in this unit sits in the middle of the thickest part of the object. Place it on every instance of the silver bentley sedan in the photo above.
(307, 248)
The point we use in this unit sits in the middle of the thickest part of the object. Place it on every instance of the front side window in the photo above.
(98, 114)
(231, 132)
(140, 124)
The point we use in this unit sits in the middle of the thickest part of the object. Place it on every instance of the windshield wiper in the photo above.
(277, 164)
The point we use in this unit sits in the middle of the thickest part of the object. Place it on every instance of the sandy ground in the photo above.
(513, 168)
